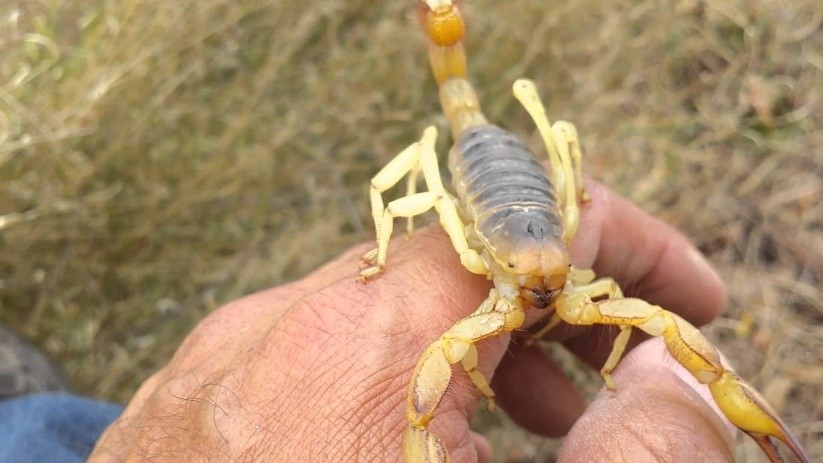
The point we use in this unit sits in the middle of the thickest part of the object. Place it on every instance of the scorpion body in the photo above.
(513, 222)
(508, 198)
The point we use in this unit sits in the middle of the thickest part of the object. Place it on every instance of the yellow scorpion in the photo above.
(512, 222)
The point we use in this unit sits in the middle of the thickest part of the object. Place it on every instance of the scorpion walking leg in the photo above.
(526, 93)
(420, 155)
(608, 288)
(618, 348)
(740, 402)
(569, 132)
(604, 287)
(407, 162)
(561, 150)
(469, 362)
(432, 374)
(411, 189)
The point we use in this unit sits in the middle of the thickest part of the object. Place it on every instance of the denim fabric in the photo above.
(52, 428)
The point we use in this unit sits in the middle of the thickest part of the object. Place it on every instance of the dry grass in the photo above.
(160, 158)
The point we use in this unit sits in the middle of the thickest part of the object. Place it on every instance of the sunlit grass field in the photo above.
(159, 158)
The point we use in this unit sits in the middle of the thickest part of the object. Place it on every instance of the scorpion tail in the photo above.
(444, 26)
(748, 410)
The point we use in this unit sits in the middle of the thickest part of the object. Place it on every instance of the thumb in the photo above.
(659, 413)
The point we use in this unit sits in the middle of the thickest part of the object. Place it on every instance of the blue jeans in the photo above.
(52, 428)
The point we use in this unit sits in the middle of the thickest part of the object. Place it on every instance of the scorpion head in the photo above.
(541, 289)
(532, 253)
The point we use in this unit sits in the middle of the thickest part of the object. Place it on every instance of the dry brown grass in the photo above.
(160, 158)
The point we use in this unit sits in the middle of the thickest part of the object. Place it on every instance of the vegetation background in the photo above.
(159, 158)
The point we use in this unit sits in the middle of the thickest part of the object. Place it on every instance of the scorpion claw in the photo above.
(747, 409)
(421, 446)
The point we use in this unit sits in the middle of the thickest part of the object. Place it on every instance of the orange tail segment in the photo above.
(444, 27)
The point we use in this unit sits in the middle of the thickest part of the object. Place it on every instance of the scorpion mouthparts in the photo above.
(539, 298)
(543, 300)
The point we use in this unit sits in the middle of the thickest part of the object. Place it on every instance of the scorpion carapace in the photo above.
(513, 222)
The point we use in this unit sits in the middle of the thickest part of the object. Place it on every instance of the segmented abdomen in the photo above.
(497, 179)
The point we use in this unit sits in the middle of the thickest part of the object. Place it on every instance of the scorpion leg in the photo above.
(407, 162)
(569, 132)
(609, 289)
(433, 372)
(565, 158)
(418, 156)
(582, 276)
(603, 287)
(469, 362)
(742, 405)
(618, 348)
(411, 189)
(553, 321)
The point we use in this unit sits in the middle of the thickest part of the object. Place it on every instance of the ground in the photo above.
(160, 158)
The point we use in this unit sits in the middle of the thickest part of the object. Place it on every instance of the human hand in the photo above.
(318, 369)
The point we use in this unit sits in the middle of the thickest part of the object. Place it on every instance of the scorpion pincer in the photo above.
(510, 221)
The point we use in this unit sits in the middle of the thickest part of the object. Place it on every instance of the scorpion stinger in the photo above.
(511, 221)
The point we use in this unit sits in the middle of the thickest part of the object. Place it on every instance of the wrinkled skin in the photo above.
(318, 369)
